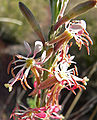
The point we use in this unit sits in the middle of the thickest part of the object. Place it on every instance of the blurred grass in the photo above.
(10, 9)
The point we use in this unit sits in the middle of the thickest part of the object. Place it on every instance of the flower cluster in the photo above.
(56, 68)
(44, 113)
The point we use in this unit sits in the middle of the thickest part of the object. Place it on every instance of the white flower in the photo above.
(78, 30)
(25, 64)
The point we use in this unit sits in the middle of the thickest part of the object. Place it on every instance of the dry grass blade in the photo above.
(73, 105)
(85, 109)
(10, 20)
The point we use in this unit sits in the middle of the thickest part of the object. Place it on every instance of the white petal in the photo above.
(21, 57)
(43, 56)
(18, 61)
(77, 25)
(20, 71)
(18, 66)
(11, 80)
(77, 78)
(28, 48)
(58, 77)
(83, 23)
(72, 57)
(64, 66)
(27, 71)
(38, 47)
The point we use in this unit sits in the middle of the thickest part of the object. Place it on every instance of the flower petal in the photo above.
(40, 115)
(28, 48)
(38, 47)
(43, 56)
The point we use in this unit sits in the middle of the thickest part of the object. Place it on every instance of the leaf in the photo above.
(63, 7)
(31, 19)
(53, 4)
(32, 102)
(57, 8)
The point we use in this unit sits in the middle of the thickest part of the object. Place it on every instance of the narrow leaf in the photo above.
(31, 19)
(63, 7)
(57, 9)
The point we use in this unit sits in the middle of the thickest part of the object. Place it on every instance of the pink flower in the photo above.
(28, 113)
(44, 113)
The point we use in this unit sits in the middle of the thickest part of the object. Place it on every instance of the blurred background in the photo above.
(14, 29)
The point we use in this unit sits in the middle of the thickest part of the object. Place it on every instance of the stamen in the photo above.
(76, 71)
(22, 84)
(74, 81)
(18, 61)
(9, 65)
(73, 91)
(83, 87)
(12, 73)
(20, 57)
(73, 72)
(90, 40)
(18, 66)
(36, 74)
(25, 81)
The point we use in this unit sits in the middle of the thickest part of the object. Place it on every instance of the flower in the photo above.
(28, 113)
(78, 30)
(26, 64)
(63, 76)
(68, 77)
(73, 29)
(43, 113)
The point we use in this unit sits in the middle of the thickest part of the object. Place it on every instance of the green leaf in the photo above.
(32, 102)
(53, 10)
(31, 19)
